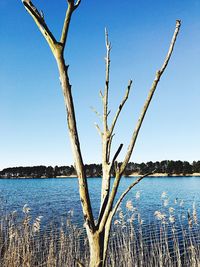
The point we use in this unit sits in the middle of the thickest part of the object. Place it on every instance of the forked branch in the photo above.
(71, 7)
(58, 51)
(120, 172)
(39, 20)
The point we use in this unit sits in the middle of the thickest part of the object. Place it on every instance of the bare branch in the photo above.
(105, 102)
(31, 5)
(73, 4)
(108, 44)
(117, 153)
(115, 186)
(109, 211)
(116, 117)
(116, 166)
(70, 9)
(171, 48)
(39, 20)
(76, 149)
(149, 97)
(105, 138)
(57, 50)
(67, 20)
(126, 192)
(120, 107)
(135, 133)
(109, 145)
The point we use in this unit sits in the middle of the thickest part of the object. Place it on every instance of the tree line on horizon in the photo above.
(95, 170)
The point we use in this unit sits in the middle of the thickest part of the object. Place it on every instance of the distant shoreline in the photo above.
(43, 177)
(126, 176)
(196, 174)
(165, 168)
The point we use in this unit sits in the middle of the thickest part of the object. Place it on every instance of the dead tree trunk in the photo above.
(98, 244)
(97, 233)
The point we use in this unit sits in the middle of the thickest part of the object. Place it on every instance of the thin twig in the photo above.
(120, 107)
(105, 98)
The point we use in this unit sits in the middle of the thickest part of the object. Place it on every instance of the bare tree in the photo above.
(97, 231)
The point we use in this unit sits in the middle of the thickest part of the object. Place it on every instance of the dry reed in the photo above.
(170, 240)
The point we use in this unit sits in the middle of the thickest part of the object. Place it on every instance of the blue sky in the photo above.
(32, 112)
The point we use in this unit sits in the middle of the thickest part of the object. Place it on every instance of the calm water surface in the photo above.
(54, 198)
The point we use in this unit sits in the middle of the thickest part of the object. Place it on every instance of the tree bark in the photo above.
(73, 133)
(96, 245)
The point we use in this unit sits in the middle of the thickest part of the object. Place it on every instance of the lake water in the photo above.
(54, 198)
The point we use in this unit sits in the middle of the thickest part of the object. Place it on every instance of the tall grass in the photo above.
(172, 239)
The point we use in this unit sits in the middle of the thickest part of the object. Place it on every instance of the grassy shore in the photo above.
(171, 240)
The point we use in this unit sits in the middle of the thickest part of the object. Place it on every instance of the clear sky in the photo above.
(32, 112)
